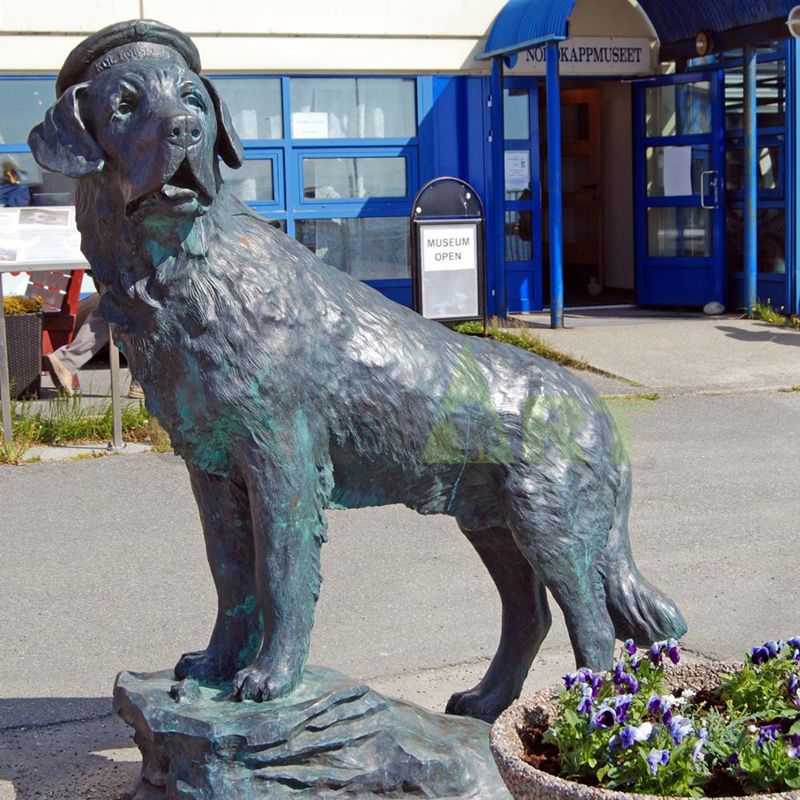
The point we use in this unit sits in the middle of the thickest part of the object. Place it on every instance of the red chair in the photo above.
(60, 293)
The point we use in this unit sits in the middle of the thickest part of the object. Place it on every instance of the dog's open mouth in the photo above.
(181, 195)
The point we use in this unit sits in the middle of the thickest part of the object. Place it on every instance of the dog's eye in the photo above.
(195, 101)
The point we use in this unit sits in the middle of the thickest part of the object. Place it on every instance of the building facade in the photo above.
(346, 110)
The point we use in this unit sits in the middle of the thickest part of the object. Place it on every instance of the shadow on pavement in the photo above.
(766, 333)
(65, 748)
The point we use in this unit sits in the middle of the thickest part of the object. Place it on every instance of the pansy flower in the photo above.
(768, 733)
(630, 647)
(679, 728)
(631, 734)
(585, 703)
(603, 719)
(657, 759)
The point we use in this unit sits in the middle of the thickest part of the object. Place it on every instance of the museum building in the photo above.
(675, 174)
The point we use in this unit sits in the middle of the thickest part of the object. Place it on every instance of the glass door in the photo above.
(679, 190)
(523, 198)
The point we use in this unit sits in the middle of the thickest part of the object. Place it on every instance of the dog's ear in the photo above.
(229, 146)
(61, 143)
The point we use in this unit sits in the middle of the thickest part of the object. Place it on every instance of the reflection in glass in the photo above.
(771, 248)
(252, 182)
(516, 113)
(768, 169)
(678, 109)
(664, 164)
(679, 232)
(255, 106)
(369, 248)
(353, 108)
(24, 103)
(518, 236)
(331, 178)
(770, 93)
(44, 188)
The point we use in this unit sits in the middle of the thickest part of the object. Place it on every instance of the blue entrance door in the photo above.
(679, 190)
(523, 198)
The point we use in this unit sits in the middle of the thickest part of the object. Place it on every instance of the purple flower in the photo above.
(619, 671)
(758, 655)
(656, 651)
(585, 703)
(630, 683)
(657, 759)
(697, 750)
(774, 648)
(570, 679)
(596, 681)
(666, 717)
(794, 746)
(768, 733)
(732, 760)
(679, 729)
(673, 652)
(636, 662)
(794, 689)
(794, 642)
(631, 734)
(604, 719)
(622, 705)
(654, 705)
(630, 647)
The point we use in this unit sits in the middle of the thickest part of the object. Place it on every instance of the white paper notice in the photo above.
(42, 234)
(450, 271)
(310, 125)
(518, 170)
(677, 171)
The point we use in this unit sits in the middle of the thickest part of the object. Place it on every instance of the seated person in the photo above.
(91, 337)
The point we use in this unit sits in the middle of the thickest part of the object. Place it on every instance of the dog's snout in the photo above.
(183, 130)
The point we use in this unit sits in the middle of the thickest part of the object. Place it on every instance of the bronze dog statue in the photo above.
(290, 387)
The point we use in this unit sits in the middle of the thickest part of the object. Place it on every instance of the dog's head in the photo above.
(133, 108)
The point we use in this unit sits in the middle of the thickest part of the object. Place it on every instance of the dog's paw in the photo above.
(256, 683)
(204, 666)
(477, 704)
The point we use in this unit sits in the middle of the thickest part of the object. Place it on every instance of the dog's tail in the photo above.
(638, 609)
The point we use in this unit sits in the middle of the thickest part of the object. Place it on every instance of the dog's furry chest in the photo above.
(198, 395)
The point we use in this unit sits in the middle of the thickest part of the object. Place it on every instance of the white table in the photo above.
(5, 386)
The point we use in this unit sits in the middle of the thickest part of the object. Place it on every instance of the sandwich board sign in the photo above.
(448, 251)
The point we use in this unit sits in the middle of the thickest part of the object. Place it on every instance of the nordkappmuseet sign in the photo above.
(590, 55)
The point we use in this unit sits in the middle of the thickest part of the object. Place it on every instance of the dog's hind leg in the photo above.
(563, 538)
(525, 622)
(225, 515)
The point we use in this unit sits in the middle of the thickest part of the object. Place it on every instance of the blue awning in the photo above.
(522, 24)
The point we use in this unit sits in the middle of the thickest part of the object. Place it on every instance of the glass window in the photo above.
(369, 248)
(255, 106)
(518, 236)
(24, 103)
(679, 232)
(675, 171)
(771, 247)
(678, 109)
(768, 168)
(252, 182)
(770, 96)
(43, 188)
(353, 108)
(331, 178)
(516, 114)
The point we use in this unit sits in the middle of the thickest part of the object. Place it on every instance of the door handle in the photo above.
(711, 182)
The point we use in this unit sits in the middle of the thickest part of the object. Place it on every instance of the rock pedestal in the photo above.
(333, 737)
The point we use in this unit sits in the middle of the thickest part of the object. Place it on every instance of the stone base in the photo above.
(333, 737)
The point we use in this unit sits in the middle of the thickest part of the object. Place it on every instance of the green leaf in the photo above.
(570, 716)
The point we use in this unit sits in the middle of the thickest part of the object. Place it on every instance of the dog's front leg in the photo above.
(227, 528)
(289, 528)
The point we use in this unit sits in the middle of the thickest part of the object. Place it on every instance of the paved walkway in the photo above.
(678, 353)
(108, 572)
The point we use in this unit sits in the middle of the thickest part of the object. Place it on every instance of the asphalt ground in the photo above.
(102, 568)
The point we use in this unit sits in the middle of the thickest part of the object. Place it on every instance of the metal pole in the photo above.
(5, 385)
(750, 182)
(116, 400)
(555, 212)
(497, 202)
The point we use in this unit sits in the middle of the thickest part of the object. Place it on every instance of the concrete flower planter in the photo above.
(527, 783)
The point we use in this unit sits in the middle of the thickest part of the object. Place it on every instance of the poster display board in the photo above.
(447, 232)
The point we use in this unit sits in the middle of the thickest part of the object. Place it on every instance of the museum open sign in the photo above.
(449, 247)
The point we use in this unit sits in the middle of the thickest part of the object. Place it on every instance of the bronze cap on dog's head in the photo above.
(132, 105)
